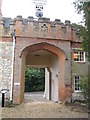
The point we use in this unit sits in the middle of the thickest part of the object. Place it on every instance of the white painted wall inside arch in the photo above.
(46, 60)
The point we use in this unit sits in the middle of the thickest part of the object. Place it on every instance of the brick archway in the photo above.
(18, 91)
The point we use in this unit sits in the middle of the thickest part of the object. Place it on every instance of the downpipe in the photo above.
(13, 51)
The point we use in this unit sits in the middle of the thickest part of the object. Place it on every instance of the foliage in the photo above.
(82, 7)
(34, 79)
(84, 86)
(83, 34)
(84, 31)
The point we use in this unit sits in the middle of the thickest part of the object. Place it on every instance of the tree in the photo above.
(84, 32)
(34, 79)
(84, 86)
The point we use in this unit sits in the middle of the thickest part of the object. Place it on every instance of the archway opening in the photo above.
(34, 79)
(41, 55)
(42, 61)
(34, 83)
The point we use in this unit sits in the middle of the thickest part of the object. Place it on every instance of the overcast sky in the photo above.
(54, 9)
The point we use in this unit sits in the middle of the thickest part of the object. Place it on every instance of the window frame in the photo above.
(84, 59)
(77, 91)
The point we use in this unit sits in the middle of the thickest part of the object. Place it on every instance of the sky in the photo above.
(54, 9)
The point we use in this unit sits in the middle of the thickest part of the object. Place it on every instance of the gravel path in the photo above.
(38, 107)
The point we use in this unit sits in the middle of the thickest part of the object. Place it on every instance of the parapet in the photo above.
(39, 28)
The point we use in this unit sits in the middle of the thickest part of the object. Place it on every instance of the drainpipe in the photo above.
(13, 50)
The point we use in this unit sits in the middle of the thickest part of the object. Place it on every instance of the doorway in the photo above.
(41, 55)
(34, 84)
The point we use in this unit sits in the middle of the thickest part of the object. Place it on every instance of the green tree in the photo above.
(84, 32)
(84, 86)
(34, 79)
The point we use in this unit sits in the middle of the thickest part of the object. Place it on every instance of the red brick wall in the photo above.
(32, 35)
(22, 49)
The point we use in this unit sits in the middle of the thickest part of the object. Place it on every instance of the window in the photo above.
(76, 84)
(79, 56)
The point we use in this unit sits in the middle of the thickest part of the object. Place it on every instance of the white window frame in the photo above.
(78, 83)
(79, 56)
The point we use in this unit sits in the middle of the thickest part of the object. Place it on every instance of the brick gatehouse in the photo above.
(52, 45)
